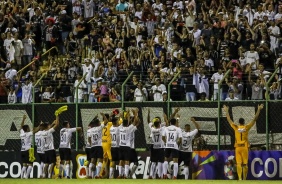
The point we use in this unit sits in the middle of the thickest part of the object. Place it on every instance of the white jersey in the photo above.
(95, 134)
(156, 135)
(125, 135)
(132, 139)
(39, 141)
(115, 136)
(187, 138)
(151, 125)
(65, 137)
(49, 140)
(172, 134)
(26, 138)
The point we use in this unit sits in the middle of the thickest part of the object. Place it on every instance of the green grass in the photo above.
(128, 181)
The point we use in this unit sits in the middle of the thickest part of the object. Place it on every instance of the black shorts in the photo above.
(115, 154)
(133, 156)
(124, 153)
(65, 153)
(157, 155)
(169, 152)
(25, 157)
(50, 156)
(97, 152)
(41, 157)
(88, 153)
(185, 157)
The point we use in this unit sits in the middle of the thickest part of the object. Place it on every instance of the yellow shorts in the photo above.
(242, 155)
(107, 150)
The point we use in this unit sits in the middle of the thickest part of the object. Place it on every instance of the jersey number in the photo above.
(38, 142)
(105, 131)
(122, 137)
(114, 137)
(23, 142)
(63, 138)
(170, 136)
(185, 142)
(95, 137)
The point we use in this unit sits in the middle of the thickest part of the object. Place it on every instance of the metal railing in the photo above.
(123, 90)
(168, 92)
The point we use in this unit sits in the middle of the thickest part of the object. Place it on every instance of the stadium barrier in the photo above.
(214, 128)
(206, 165)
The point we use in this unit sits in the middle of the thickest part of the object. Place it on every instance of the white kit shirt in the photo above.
(216, 77)
(65, 137)
(172, 133)
(156, 135)
(115, 137)
(26, 138)
(39, 141)
(187, 138)
(125, 135)
(95, 134)
(49, 140)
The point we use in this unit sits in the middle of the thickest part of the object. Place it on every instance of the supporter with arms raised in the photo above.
(242, 141)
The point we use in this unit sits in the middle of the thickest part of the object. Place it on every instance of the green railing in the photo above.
(170, 105)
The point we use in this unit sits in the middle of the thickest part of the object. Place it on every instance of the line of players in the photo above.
(45, 148)
(115, 141)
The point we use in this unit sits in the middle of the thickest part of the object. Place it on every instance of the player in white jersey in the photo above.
(39, 142)
(65, 146)
(133, 155)
(125, 142)
(88, 152)
(114, 131)
(94, 136)
(185, 150)
(172, 137)
(157, 152)
(50, 153)
(26, 141)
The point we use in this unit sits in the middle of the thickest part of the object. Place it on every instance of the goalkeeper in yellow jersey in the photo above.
(242, 141)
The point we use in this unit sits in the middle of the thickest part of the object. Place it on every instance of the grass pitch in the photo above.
(128, 181)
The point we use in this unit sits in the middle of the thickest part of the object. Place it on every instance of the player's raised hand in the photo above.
(260, 107)
(226, 108)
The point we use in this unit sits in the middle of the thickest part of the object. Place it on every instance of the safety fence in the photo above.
(215, 132)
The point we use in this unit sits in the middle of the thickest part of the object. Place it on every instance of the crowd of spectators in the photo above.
(105, 40)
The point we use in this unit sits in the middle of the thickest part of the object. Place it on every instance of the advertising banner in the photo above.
(205, 165)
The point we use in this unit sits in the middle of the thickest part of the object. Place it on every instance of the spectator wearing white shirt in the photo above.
(11, 72)
(274, 32)
(278, 16)
(259, 14)
(27, 91)
(157, 90)
(215, 79)
(231, 96)
(79, 96)
(140, 93)
(252, 57)
(196, 34)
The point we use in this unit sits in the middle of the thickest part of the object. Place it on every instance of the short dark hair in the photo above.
(241, 121)
(25, 128)
(125, 122)
(172, 121)
(187, 125)
(65, 123)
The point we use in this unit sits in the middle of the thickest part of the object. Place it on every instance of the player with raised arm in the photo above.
(172, 137)
(185, 150)
(94, 136)
(242, 141)
(157, 150)
(125, 142)
(26, 141)
(133, 155)
(88, 152)
(114, 130)
(65, 147)
(50, 152)
(39, 142)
